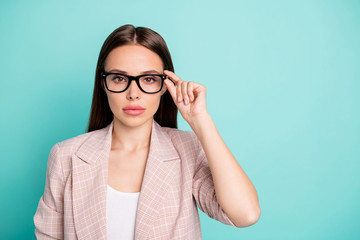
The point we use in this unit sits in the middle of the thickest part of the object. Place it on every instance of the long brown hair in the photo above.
(100, 113)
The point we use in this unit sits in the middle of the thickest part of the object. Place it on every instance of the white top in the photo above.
(121, 214)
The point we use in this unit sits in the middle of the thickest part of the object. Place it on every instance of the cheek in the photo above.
(154, 103)
(114, 101)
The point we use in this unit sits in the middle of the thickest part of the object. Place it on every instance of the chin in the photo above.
(133, 121)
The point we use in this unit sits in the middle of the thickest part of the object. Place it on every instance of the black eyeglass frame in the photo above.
(136, 78)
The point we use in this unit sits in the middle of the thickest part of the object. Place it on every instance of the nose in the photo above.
(133, 91)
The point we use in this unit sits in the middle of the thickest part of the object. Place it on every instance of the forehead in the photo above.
(133, 59)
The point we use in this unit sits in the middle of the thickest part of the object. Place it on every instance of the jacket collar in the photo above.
(90, 174)
(98, 144)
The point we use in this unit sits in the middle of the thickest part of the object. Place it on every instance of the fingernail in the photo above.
(186, 101)
(179, 99)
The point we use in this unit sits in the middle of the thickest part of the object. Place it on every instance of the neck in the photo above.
(131, 138)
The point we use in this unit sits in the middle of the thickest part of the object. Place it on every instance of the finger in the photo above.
(172, 76)
(178, 91)
(190, 89)
(171, 88)
(184, 92)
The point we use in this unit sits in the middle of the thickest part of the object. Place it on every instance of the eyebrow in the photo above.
(144, 72)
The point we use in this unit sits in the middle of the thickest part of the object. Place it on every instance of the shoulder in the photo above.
(184, 140)
(180, 135)
(70, 145)
(61, 152)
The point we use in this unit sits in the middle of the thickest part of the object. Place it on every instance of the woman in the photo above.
(134, 175)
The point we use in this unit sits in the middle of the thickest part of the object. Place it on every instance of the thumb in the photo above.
(171, 87)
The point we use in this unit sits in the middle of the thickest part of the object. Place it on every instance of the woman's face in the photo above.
(133, 60)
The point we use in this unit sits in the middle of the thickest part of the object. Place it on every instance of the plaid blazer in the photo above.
(177, 179)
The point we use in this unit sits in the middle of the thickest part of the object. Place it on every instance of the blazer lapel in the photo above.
(90, 174)
(89, 177)
(162, 165)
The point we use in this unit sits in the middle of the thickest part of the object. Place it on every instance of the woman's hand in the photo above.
(189, 97)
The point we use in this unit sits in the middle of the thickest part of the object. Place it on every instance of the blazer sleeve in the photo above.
(48, 218)
(204, 191)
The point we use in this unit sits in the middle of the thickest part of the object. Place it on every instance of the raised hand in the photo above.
(189, 97)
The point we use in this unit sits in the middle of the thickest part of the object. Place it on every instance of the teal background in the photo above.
(282, 82)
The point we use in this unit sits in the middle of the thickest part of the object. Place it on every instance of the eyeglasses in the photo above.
(148, 83)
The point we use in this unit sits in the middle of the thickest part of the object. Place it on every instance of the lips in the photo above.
(133, 110)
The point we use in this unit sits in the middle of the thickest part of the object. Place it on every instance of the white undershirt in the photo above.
(121, 214)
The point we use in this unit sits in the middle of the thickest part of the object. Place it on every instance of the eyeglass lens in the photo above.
(118, 82)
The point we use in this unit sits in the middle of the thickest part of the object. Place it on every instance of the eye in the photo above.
(151, 79)
(118, 78)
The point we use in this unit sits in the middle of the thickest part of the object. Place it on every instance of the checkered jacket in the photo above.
(176, 181)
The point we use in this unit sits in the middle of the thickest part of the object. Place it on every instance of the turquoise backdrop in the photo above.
(283, 83)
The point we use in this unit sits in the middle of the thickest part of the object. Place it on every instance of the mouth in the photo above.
(134, 110)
